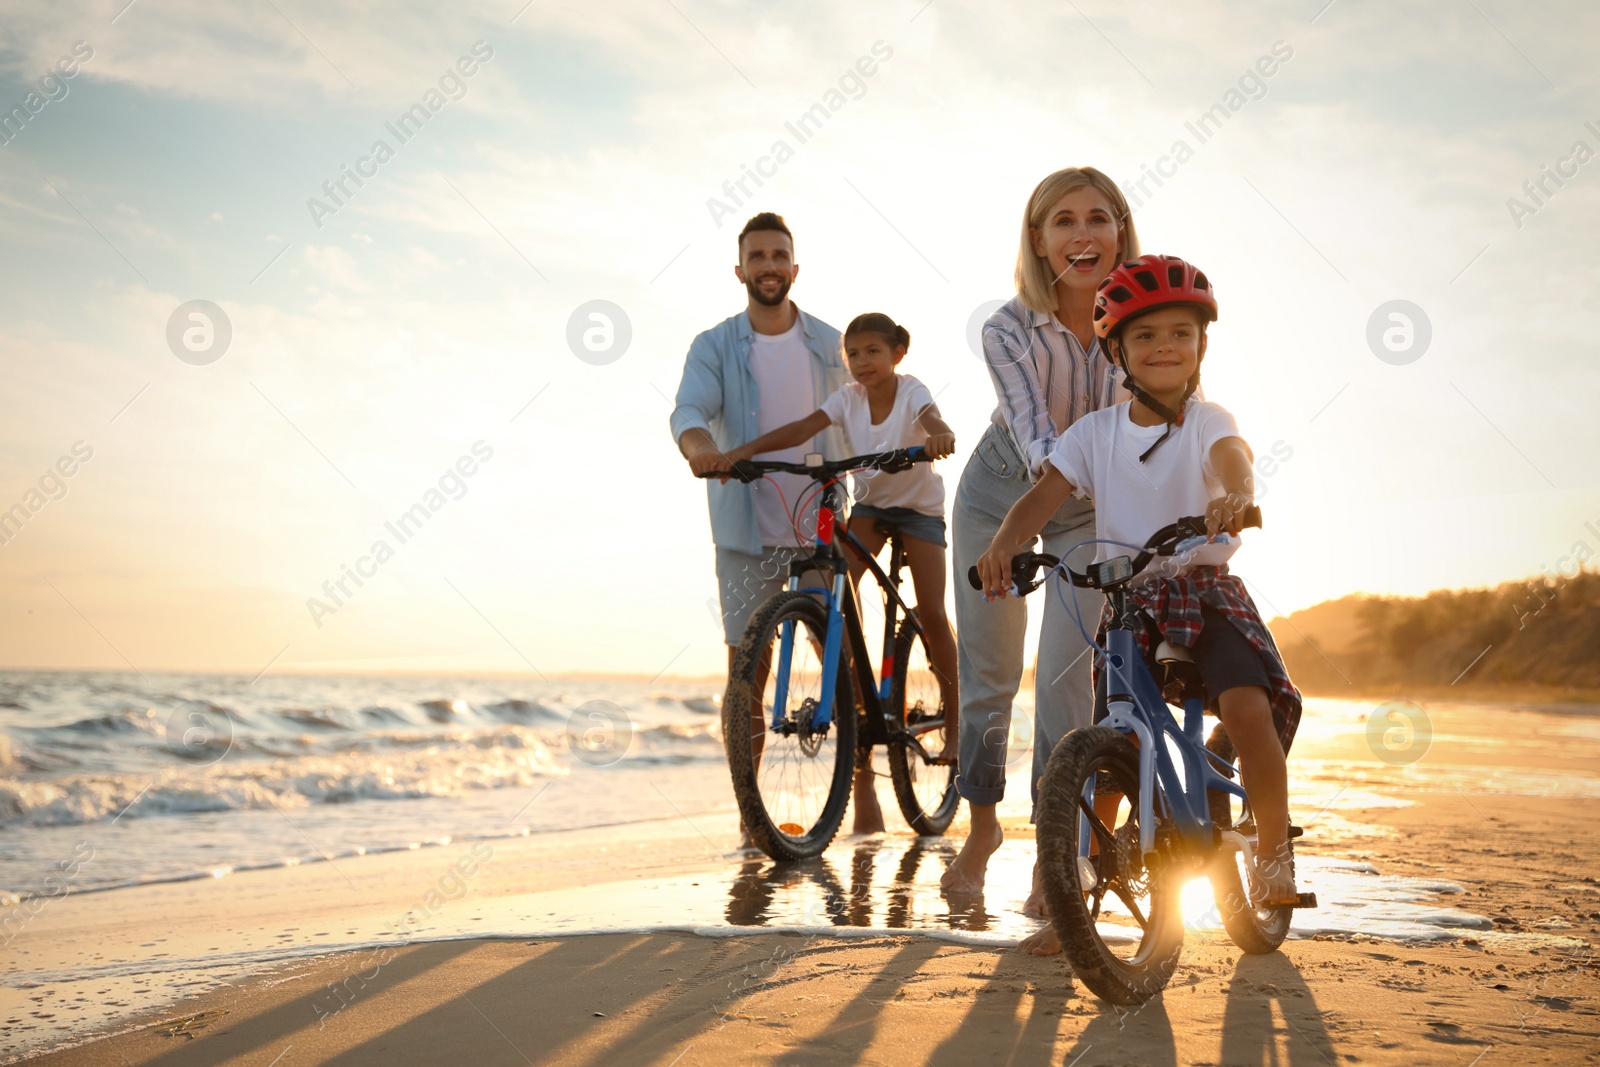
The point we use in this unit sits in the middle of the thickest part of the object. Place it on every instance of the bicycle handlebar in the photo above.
(891, 462)
(1164, 542)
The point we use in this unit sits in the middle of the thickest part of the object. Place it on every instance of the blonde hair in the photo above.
(1035, 281)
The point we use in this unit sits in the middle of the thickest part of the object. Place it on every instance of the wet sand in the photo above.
(1494, 822)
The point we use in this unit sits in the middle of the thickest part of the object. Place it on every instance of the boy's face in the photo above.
(871, 358)
(1163, 347)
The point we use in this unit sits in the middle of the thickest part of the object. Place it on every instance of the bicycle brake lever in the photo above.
(977, 583)
(743, 471)
(1189, 544)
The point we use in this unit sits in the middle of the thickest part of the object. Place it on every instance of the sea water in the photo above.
(170, 777)
(173, 777)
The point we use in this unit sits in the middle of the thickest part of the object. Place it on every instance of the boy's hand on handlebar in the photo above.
(994, 570)
(1226, 514)
(940, 445)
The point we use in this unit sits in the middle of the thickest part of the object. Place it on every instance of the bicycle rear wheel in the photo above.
(925, 791)
(791, 777)
(1125, 954)
(1255, 930)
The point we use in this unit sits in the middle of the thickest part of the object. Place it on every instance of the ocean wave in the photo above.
(452, 766)
(526, 711)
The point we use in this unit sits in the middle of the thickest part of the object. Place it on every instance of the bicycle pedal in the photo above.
(1305, 900)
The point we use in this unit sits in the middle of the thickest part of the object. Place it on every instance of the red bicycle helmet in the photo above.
(1147, 283)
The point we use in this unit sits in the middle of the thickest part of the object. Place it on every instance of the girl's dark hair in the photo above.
(877, 322)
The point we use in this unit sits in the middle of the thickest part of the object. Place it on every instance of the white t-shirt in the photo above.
(920, 488)
(1099, 454)
(781, 365)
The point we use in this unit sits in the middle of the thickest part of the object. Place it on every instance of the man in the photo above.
(766, 366)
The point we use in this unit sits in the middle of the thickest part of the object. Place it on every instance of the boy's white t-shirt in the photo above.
(1099, 454)
(920, 488)
(781, 366)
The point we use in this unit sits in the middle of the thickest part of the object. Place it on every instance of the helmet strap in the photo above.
(1164, 413)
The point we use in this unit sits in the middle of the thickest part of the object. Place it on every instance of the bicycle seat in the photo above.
(1170, 653)
(1173, 667)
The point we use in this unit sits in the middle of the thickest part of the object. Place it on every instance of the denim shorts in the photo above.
(916, 524)
(746, 581)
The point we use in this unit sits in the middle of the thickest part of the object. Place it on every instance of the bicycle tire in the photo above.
(771, 820)
(926, 792)
(1103, 756)
(1255, 931)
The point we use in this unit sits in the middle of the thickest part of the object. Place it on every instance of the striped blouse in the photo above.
(1045, 378)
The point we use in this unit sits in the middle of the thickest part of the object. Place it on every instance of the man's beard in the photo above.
(773, 301)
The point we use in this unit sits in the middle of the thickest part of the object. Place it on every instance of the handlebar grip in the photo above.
(1252, 516)
(973, 579)
(743, 471)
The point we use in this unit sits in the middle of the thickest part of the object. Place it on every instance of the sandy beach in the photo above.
(1460, 910)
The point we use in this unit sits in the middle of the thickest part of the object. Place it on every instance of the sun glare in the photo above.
(1199, 907)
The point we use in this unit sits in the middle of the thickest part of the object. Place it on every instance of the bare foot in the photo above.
(1033, 907)
(1042, 943)
(965, 873)
(869, 816)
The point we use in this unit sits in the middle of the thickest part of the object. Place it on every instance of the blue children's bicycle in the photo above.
(789, 718)
(1112, 887)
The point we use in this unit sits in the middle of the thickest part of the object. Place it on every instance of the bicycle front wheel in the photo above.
(791, 772)
(1117, 920)
(925, 791)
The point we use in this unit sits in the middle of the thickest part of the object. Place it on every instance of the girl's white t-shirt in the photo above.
(1099, 454)
(920, 488)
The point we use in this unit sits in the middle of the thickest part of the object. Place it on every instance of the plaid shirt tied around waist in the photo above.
(1174, 604)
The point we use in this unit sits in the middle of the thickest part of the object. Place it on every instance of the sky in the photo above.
(407, 340)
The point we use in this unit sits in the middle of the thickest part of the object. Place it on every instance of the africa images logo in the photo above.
(452, 86)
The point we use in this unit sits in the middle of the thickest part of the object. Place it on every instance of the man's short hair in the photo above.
(767, 220)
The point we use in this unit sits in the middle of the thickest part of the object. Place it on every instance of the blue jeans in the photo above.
(990, 635)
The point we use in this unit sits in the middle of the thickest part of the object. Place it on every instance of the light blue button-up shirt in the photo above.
(718, 395)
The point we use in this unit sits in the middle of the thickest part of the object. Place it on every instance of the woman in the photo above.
(1048, 370)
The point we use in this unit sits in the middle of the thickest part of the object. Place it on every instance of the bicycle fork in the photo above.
(1184, 801)
(823, 717)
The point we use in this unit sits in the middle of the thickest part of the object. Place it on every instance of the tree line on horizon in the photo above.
(1541, 632)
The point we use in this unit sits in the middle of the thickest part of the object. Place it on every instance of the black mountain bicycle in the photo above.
(789, 718)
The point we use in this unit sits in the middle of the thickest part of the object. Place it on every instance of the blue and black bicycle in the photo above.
(789, 718)
(1134, 806)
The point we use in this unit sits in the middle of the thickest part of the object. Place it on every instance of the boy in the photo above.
(1145, 463)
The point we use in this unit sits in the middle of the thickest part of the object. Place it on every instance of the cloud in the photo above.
(410, 324)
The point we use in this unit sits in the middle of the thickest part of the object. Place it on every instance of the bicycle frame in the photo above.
(1135, 705)
(844, 619)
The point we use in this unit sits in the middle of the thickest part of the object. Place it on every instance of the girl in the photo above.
(879, 411)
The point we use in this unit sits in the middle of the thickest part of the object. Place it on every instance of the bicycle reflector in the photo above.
(1111, 571)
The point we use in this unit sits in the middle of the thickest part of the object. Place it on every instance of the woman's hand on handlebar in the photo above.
(994, 570)
(1226, 514)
